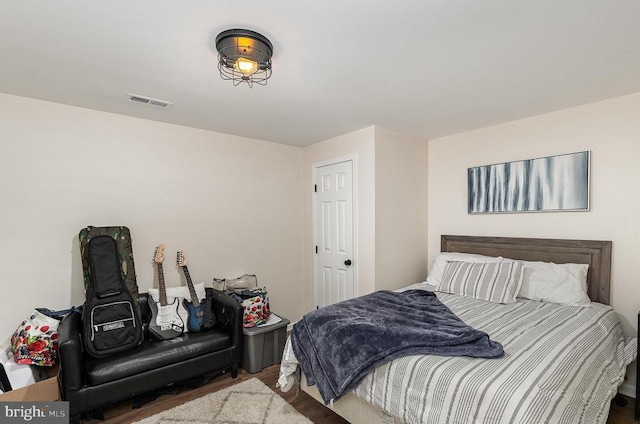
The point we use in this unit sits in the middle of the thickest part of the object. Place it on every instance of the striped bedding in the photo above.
(562, 364)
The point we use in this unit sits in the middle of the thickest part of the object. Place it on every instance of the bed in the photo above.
(562, 364)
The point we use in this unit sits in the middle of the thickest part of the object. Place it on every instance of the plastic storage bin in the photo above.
(263, 345)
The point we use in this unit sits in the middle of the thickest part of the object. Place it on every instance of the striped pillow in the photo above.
(494, 282)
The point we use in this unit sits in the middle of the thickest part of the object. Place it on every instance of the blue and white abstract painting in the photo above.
(554, 183)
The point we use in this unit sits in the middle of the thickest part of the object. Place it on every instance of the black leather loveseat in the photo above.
(90, 384)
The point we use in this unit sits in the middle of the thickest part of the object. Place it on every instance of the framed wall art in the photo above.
(552, 183)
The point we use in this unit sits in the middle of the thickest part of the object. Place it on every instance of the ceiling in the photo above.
(427, 68)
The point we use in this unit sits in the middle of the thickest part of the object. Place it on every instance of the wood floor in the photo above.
(123, 413)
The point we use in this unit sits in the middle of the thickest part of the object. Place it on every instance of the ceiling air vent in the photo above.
(149, 101)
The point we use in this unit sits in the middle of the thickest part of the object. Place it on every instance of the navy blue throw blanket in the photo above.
(338, 345)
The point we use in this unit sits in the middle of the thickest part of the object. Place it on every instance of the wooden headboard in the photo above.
(595, 253)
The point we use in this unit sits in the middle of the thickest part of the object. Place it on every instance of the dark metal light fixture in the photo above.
(244, 56)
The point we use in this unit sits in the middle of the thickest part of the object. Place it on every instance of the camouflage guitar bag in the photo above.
(122, 236)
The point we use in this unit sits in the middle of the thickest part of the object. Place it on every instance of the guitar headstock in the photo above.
(181, 260)
(157, 256)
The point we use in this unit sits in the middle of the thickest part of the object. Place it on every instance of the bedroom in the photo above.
(239, 204)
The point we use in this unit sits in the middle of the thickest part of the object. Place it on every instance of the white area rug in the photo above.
(249, 402)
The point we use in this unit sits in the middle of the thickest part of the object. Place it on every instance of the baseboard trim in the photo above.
(628, 389)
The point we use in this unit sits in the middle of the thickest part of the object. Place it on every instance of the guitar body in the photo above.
(165, 320)
(196, 316)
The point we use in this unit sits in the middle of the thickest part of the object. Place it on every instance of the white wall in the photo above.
(237, 205)
(401, 209)
(231, 203)
(360, 146)
(391, 213)
(610, 130)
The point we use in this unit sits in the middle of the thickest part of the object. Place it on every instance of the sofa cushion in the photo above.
(151, 355)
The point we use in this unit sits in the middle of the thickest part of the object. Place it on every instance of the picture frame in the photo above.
(551, 183)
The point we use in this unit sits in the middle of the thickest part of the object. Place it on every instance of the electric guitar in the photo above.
(199, 316)
(165, 321)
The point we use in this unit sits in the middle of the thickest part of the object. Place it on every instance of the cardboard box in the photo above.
(17, 374)
(46, 390)
(42, 391)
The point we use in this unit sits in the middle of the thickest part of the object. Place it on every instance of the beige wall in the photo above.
(359, 145)
(609, 129)
(232, 204)
(238, 205)
(391, 214)
(401, 209)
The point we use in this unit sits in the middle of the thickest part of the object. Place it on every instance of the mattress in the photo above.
(562, 364)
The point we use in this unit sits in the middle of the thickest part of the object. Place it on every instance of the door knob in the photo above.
(347, 262)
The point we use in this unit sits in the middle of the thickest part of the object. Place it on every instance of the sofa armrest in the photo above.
(229, 314)
(70, 352)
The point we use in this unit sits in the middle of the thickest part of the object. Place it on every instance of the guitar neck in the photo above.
(161, 287)
(192, 290)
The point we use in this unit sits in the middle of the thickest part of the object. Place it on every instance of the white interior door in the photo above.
(334, 279)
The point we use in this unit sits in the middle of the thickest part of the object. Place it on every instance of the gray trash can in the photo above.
(263, 346)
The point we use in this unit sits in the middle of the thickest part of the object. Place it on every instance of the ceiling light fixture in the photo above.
(244, 56)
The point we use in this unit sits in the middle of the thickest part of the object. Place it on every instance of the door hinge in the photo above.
(315, 188)
(316, 250)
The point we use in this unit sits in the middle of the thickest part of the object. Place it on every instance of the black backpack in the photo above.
(111, 320)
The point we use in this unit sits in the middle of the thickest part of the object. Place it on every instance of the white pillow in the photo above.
(556, 283)
(494, 282)
(440, 263)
